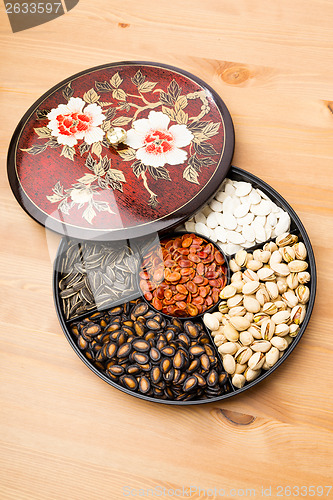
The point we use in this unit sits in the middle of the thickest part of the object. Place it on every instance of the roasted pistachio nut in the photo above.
(267, 329)
(250, 287)
(297, 314)
(280, 343)
(302, 293)
(292, 281)
(234, 266)
(256, 360)
(238, 380)
(243, 355)
(297, 266)
(254, 265)
(261, 346)
(251, 304)
(223, 307)
(293, 330)
(300, 251)
(281, 330)
(230, 333)
(286, 239)
(227, 292)
(237, 311)
(211, 321)
(246, 338)
(270, 308)
(290, 298)
(228, 348)
(229, 364)
(241, 258)
(303, 277)
(239, 323)
(288, 253)
(235, 301)
(272, 356)
(251, 375)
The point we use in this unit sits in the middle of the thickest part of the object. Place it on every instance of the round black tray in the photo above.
(296, 228)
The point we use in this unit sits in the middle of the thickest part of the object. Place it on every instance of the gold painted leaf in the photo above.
(191, 175)
(169, 112)
(87, 179)
(43, 132)
(120, 121)
(182, 117)
(181, 103)
(54, 198)
(116, 175)
(91, 96)
(68, 152)
(98, 169)
(138, 78)
(116, 80)
(35, 149)
(96, 148)
(106, 125)
(89, 214)
(146, 86)
(127, 154)
(211, 129)
(119, 94)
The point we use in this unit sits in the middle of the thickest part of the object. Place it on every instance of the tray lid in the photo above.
(67, 176)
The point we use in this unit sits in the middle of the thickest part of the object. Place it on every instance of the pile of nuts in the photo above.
(183, 275)
(262, 309)
(239, 216)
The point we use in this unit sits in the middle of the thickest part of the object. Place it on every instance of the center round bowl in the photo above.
(170, 236)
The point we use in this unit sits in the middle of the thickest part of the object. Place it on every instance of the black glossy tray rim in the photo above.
(275, 196)
(85, 233)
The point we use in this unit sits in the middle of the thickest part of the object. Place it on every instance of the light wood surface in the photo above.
(65, 434)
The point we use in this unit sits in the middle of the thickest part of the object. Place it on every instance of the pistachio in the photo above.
(251, 304)
(256, 254)
(303, 277)
(238, 285)
(280, 269)
(241, 258)
(276, 258)
(238, 380)
(237, 276)
(284, 240)
(280, 343)
(250, 374)
(266, 274)
(290, 298)
(217, 315)
(300, 250)
(246, 338)
(270, 246)
(228, 348)
(288, 253)
(270, 308)
(227, 292)
(240, 368)
(297, 266)
(262, 296)
(272, 356)
(243, 355)
(249, 275)
(281, 306)
(219, 339)
(223, 307)
(229, 364)
(255, 330)
(282, 284)
(250, 287)
(297, 314)
(281, 330)
(303, 294)
(265, 255)
(261, 345)
(237, 311)
(256, 361)
(234, 266)
(281, 317)
(254, 265)
(248, 315)
(293, 330)
(292, 281)
(272, 290)
(230, 333)
(259, 318)
(211, 321)
(240, 323)
(235, 301)
(267, 329)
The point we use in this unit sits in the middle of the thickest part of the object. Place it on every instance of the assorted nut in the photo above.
(261, 310)
(146, 352)
(240, 216)
(183, 276)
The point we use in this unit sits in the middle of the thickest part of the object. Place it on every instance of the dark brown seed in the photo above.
(223, 378)
(124, 350)
(89, 355)
(122, 338)
(154, 354)
(209, 350)
(205, 363)
(139, 328)
(146, 367)
(92, 330)
(116, 370)
(184, 339)
(160, 344)
(190, 384)
(166, 364)
(144, 385)
(140, 309)
(127, 329)
(182, 378)
(194, 366)
(140, 358)
(82, 343)
(156, 374)
(197, 350)
(115, 310)
(158, 392)
(212, 378)
(176, 377)
(168, 392)
(168, 377)
(191, 329)
(113, 327)
(170, 336)
(152, 324)
(140, 345)
(179, 360)
(168, 351)
(149, 335)
(129, 382)
(201, 380)
(111, 349)
(133, 369)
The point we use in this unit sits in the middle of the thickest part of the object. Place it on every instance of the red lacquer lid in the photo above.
(179, 147)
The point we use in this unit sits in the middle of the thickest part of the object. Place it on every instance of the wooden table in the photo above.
(65, 434)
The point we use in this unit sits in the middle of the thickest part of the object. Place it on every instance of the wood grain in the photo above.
(65, 434)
